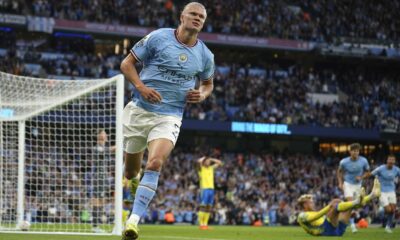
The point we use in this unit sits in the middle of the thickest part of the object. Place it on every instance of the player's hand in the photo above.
(149, 94)
(202, 159)
(359, 178)
(194, 96)
(334, 202)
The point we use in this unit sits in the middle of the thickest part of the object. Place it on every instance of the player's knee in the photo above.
(154, 164)
(391, 209)
(129, 174)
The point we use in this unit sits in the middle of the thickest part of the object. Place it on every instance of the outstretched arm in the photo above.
(312, 216)
(366, 175)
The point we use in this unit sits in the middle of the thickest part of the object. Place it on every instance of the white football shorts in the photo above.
(351, 189)
(387, 198)
(141, 127)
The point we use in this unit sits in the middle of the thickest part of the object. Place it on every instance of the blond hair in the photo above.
(303, 198)
(194, 4)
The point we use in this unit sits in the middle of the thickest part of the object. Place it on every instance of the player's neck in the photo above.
(186, 37)
(353, 158)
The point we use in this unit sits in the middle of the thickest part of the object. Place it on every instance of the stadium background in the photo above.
(295, 83)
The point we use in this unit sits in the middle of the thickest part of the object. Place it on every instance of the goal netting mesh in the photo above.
(59, 144)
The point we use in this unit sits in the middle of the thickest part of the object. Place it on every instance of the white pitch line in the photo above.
(184, 238)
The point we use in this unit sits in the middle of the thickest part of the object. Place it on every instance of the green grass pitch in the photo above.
(152, 232)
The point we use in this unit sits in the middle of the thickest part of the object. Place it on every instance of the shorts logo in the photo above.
(182, 57)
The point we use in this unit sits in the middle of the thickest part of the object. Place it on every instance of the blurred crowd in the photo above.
(363, 98)
(368, 99)
(250, 187)
(322, 20)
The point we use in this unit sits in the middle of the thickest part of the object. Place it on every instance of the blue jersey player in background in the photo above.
(173, 60)
(387, 174)
(352, 170)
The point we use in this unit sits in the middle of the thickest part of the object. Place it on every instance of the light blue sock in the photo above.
(351, 221)
(145, 192)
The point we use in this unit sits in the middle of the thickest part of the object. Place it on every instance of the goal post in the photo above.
(61, 155)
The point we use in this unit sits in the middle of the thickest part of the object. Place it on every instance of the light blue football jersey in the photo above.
(386, 177)
(171, 68)
(352, 169)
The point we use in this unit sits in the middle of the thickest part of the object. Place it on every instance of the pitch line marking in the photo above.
(184, 238)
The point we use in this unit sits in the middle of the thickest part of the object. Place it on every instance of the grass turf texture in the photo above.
(151, 232)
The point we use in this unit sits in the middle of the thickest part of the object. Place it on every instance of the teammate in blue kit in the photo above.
(173, 60)
(353, 169)
(387, 173)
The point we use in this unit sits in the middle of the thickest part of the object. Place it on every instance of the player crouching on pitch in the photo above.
(333, 219)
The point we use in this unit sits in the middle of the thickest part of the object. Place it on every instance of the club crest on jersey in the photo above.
(183, 57)
(141, 42)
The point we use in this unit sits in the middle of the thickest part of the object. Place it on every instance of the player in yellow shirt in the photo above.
(205, 166)
(333, 219)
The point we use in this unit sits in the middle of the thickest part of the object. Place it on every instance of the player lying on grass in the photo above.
(333, 219)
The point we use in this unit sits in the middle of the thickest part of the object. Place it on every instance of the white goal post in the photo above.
(61, 155)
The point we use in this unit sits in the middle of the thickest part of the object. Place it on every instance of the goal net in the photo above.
(61, 155)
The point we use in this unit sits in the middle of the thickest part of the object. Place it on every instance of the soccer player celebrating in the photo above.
(205, 167)
(386, 174)
(332, 220)
(173, 60)
(354, 169)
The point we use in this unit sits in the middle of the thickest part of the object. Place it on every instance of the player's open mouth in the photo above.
(196, 24)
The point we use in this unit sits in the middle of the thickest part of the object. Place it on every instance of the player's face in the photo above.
(193, 18)
(309, 205)
(207, 162)
(354, 153)
(391, 161)
(102, 137)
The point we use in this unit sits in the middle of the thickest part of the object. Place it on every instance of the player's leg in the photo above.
(350, 205)
(389, 221)
(136, 126)
(332, 219)
(209, 203)
(339, 216)
(159, 150)
(202, 207)
(345, 212)
(345, 208)
(394, 206)
(375, 193)
(349, 191)
(97, 210)
(333, 214)
(161, 139)
(388, 200)
(132, 164)
(133, 169)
